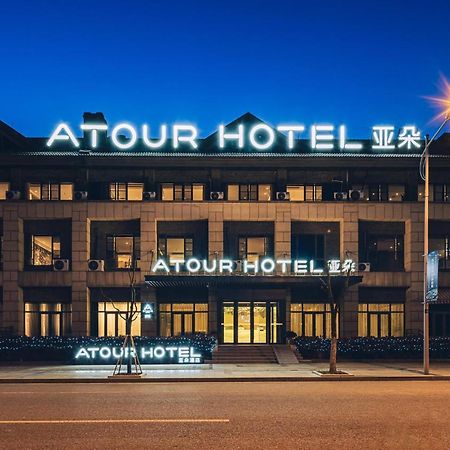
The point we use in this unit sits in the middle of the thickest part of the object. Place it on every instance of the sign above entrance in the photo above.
(257, 137)
(246, 267)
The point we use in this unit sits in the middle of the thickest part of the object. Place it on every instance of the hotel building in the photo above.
(73, 221)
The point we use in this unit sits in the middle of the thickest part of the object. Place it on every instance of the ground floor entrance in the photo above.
(250, 322)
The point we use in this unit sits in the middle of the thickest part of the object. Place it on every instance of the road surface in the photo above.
(339, 415)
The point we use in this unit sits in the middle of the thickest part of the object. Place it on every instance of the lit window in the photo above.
(126, 191)
(111, 319)
(396, 193)
(48, 319)
(122, 251)
(233, 192)
(182, 192)
(50, 191)
(311, 319)
(380, 319)
(178, 319)
(253, 248)
(175, 248)
(306, 192)
(44, 250)
(264, 192)
(249, 192)
(3, 188)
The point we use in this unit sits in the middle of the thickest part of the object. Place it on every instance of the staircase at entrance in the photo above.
(244, 354)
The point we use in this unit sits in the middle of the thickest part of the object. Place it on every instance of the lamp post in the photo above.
(425, 175)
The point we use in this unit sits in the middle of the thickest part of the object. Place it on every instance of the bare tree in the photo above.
(335, 297)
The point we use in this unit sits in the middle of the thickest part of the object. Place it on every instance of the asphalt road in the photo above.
(291, 415)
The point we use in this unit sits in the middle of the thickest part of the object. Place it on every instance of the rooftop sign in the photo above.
(256, 137)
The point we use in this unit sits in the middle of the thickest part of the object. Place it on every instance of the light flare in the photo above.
(441, 102)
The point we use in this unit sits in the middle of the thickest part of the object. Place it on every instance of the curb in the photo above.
(321, 378)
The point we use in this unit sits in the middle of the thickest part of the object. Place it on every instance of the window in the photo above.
(50, 191)
(126, 191)
(441, 192)
(175, 248)
(305, 192)
(111, 319)
(44, 249)
(249, 192)
(396, 192)
(1, 252)
(421, 193)
(385, 253)
(442, 245)
(3, 188)
(122, 250)
(311, 319)
(310, 246)
(178, 319)
(381, 319)
(253, 248)
(48, 319)
(378, 192)
(182, 192)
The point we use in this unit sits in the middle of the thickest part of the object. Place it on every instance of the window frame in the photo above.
(184, 188)
(252, 192)
(163, 238)
(314, 188)
(367, 314)
(324, 315)
(54, 237)
(65, 317)
(169, 313)
(50, 187)
(116, 188)
(3, 191)
(111, 252)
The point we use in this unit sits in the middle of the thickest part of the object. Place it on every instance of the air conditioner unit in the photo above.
(149, 195)
(80, 195)
(13, 195)
(96, 265)
(364, 267)
(60, 265)
(216, 195)
(355, 195)
(340, 196)
(283, 196)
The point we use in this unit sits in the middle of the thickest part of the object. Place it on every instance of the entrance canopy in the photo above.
(184, 280)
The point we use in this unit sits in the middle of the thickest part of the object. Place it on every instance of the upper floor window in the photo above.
(4, 186)
(175, 248)
(310, 246)
(442, 245)
(123, 250)
(126, 191)
(249, 192)
(50, 191)
(182, 192)
(305, 193)
(254, 248)
(441, 192)
(385, 253)
(44, 249)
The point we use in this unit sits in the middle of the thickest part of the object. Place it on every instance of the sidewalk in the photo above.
(357, 371)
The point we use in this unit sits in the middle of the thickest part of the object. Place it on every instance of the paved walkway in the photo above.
(229, 372)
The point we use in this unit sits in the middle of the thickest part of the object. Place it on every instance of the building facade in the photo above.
(76, 223)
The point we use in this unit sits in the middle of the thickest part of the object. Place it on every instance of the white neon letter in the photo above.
(291, 129)
(270, 136)
(248, 265)
(343, 145)
(57, 136)
(239, 136)
(300, 266)
(160, 265)
(267, 265)
(193, 265)
(154, 144)
(225, 264)
(191, 139)
(115, 133)
(284, 264)
(317, 140)
(95, 128)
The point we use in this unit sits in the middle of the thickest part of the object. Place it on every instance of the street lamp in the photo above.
(425, 175)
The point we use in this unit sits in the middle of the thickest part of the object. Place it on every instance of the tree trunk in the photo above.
(333, 343)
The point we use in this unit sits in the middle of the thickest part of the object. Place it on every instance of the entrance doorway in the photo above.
(250, 322)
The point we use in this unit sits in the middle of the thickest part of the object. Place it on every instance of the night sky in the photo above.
(208, 62)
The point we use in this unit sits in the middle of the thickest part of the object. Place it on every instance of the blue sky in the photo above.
(207, 62)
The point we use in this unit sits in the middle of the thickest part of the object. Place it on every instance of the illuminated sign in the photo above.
(263, 266)
(158, 354)
(147, 311)
(259, 137)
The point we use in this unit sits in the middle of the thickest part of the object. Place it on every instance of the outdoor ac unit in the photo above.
(364, 267)
(13, 195)
(340, 196)
(149, 195)
(60, 265)
(356, 195)
(283, 196)
(216, 195)
(96, 265)
(80, 195)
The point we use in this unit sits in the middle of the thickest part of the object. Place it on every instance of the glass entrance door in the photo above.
(250, 322)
